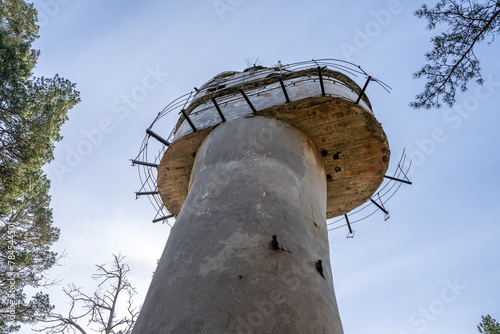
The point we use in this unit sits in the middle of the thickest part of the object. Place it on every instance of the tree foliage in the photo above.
(25, 257)
(452, 63)
(488, 325)
(32, 111)
(98, 312)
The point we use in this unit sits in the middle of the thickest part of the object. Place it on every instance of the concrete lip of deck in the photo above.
(354, 148)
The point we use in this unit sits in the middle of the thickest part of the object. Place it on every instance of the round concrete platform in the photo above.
(354, 148)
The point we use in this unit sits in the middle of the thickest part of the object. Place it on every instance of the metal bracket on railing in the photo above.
(183, 112)
(284, 90)
(399, 180)
(321, 81)
(143, 163)
(363, 90)
(162, 218)
(351, 231)
(248, 100)
(157, 137)
(218, 109)
(141, 193)
(381, 207)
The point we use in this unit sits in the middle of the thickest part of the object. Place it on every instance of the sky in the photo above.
(433, 267)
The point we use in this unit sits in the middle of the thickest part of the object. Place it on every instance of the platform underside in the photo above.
(353, 144)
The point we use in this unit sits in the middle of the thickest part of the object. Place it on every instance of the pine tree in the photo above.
(488, 325)
(452, 63)
(32, 111)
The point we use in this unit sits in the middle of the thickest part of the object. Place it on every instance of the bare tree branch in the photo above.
(99, 309)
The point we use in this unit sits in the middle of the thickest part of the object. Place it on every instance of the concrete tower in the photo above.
(255, 165)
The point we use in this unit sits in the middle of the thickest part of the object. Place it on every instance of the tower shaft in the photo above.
(253, 178)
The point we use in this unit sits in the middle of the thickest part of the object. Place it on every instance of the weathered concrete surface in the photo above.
(252, 178)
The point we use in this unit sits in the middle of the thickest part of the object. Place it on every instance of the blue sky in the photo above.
(433, 267)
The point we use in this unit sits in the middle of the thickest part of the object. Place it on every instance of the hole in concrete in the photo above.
(338, 169)
(336, 156)
(319, 267)
(324, 153)
(240, 276)
(275, 242)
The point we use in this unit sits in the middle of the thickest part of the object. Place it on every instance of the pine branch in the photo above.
(468, 26)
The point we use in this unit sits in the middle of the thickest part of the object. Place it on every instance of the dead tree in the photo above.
(109, 310)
